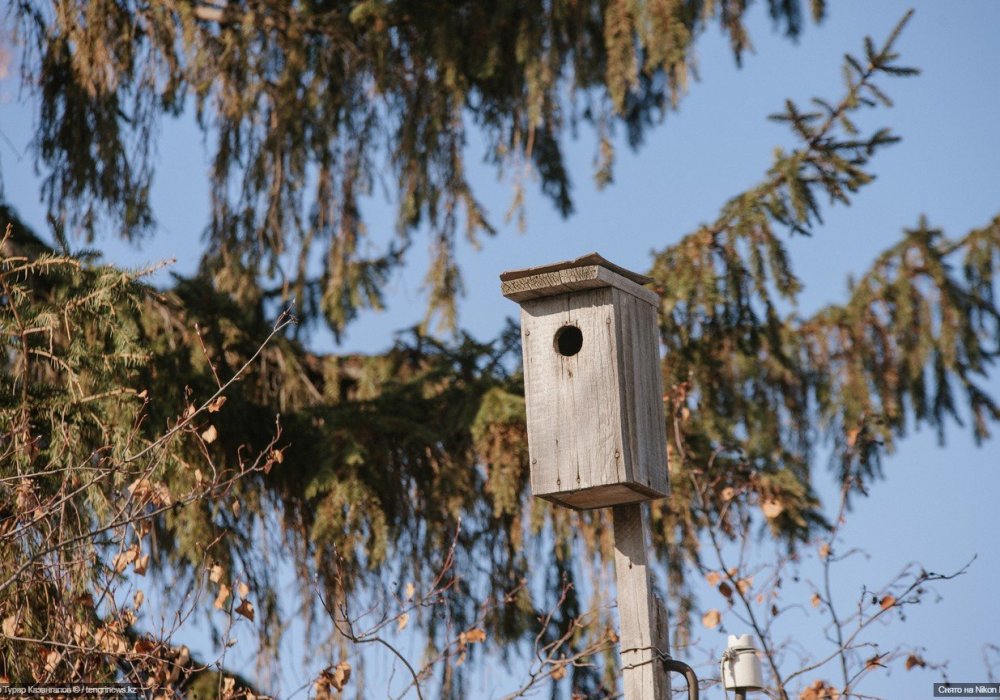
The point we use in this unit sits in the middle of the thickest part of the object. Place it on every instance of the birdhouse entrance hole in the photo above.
(569, 340)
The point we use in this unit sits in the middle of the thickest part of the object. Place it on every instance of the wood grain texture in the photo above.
(596, 427)
(641, 392)
(561, 281)
(643, 636)
(595, 419)
(574, 420)
(601, 496)
(582, 261)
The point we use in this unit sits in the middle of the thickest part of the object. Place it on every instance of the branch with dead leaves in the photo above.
(758, 605)
(78, 535)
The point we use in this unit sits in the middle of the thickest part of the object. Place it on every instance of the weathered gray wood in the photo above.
(551, 283)
(661, 630)
(582, 261)
(596, 433)
(641, 386)
(596, 428)
(601, 497)
(643, 636)
(574, 423)
(562, 281)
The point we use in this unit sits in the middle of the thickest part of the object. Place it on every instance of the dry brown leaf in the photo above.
(759, 598)
(559, 672)
(139, 488)
(772, 508)
(216, 573)
(210, 434)
(744, 584)
(411, 590)
(189, 411)
(161, 495)
(143, 646)
(913, 661)
(228, 686)
(819, 690)
(123, 559)
(726, 590)
(404, 620)
(888, 602)
(10, 626)
(245, 609)
(852, 436)
(236, 507)
(140, 564)
(713, 578)
(727, 493)
(243, 589)
(875, 661)
(476, 634)
(137, 599)
(80, 633)
(216, 404)
(52, 660)
(816, 600)
(824, 550)
(143, 394)
(220, 600)
(276, 457)
(341, 674)
(110, 641)
(711, 619)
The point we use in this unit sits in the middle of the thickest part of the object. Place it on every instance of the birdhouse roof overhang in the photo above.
(591, 271)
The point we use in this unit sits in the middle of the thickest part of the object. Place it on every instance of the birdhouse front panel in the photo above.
(593, 390)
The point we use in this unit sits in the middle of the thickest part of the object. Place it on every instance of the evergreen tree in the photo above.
(307, 101)
(392, 468)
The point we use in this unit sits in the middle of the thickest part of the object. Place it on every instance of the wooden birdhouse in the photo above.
(592, 384)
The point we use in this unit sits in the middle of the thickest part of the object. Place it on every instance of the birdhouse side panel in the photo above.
(572, 394)
(643, 420)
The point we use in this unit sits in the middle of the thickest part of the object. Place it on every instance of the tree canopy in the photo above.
(386, 465)
(311, 105)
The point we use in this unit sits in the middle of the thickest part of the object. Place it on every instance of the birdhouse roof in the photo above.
(587, 272)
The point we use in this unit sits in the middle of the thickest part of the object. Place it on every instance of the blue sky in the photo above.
(938, 504)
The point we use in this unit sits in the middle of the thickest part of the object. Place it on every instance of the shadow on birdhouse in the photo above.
(592, 384)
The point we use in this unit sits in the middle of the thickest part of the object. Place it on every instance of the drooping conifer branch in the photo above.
(311, 107)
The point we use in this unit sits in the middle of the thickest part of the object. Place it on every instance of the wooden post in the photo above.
(644, 634)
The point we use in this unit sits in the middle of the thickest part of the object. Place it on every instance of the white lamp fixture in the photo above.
(741, 669)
